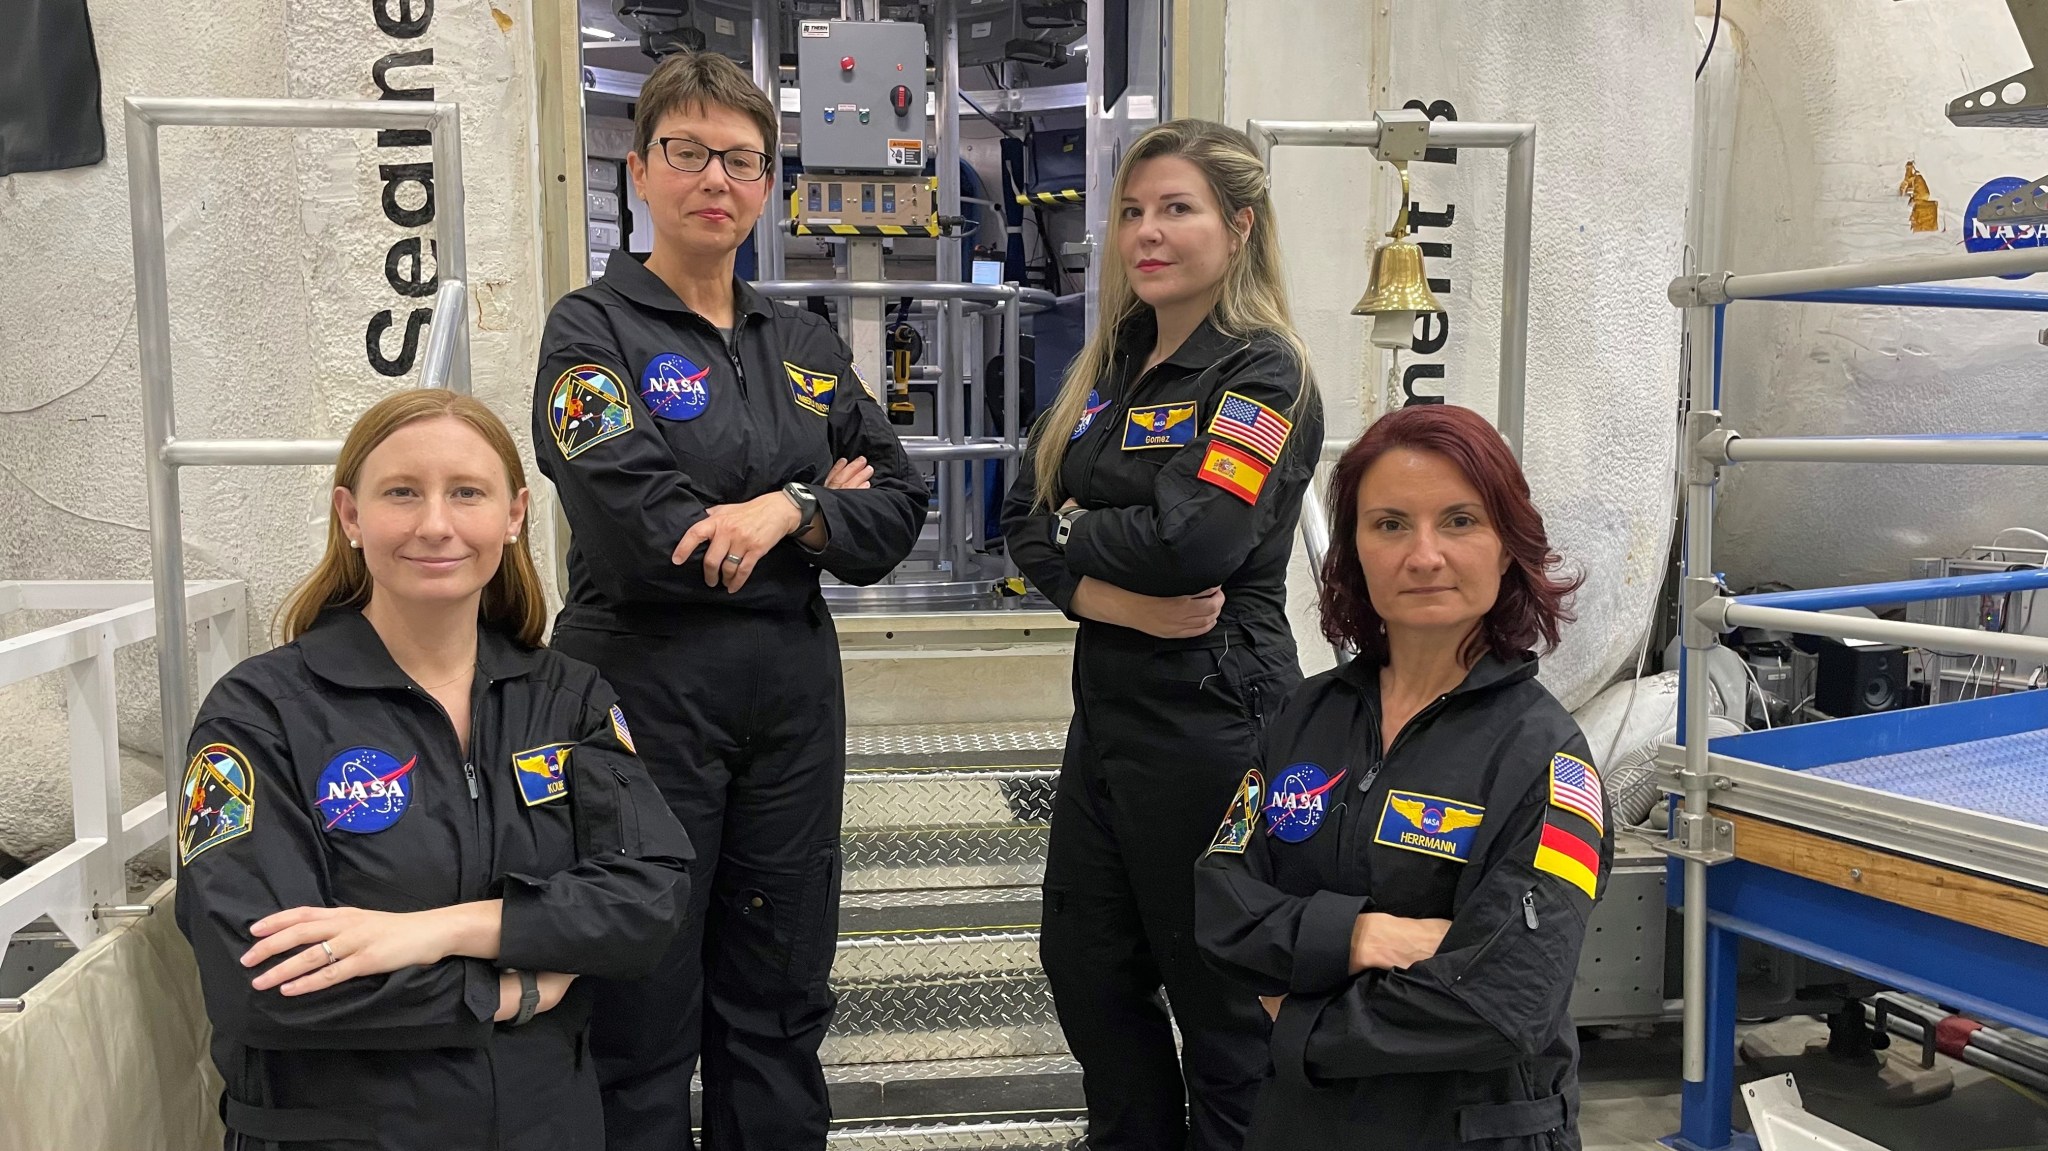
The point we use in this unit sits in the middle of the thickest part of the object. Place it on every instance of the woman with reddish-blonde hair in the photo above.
(1405, 880)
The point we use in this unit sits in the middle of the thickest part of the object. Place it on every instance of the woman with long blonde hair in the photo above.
(405, 833)
(1157, 506)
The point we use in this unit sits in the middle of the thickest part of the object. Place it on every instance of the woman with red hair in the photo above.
(1406, 883)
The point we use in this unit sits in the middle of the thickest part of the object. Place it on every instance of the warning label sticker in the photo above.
(817, 28)
(906, 153)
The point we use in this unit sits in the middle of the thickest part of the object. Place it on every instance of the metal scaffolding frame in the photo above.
(1697, 838)
(446, 363)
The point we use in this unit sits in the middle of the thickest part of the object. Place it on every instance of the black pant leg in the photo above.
(775, 903)
(645, 1034)
(1105, 978)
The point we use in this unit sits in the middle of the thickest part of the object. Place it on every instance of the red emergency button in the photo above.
(846, 63)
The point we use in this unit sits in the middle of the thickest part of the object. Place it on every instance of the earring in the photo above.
(356, 544)
(513, 538)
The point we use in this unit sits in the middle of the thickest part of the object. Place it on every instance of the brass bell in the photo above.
(1399, 288)
(1398, 283)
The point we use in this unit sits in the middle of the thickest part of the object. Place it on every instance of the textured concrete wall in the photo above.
(1836, 97)
(1610, 90)
(277, 264)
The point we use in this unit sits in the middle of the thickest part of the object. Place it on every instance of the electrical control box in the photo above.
(826, 200)
(863, 95)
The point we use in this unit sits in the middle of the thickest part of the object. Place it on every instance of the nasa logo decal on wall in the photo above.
(1993, 235)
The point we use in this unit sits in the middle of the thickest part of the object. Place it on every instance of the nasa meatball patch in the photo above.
(1297, 802)
(364, 790)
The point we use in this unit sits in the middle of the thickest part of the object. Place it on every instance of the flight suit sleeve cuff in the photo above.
(480, 989)
(1291, 1030)
(1322, 945)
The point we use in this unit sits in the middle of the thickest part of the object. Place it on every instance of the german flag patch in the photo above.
(1566, 854)
(1235, 470)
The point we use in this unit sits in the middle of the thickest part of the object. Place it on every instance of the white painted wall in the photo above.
(1609, 87)
(277, 242)
(1836, 97)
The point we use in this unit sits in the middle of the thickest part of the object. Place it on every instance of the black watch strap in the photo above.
(806, 505)
(529, 998)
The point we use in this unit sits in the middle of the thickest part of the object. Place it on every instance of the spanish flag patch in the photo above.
(1235, 470)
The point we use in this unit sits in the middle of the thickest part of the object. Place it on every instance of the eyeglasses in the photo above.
(687, 155)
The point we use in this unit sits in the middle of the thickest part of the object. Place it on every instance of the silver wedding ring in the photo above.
(733, 560)
(328, 950)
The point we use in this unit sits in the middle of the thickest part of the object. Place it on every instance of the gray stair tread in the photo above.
(1028, 1134)
(965, 913)
(956, 744)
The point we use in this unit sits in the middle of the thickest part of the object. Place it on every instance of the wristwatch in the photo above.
(1065, 527)
(529, 998)
(806, 502)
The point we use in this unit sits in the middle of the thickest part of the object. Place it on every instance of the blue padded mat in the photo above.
(2006, 776)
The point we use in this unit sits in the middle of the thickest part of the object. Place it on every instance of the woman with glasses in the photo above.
(713, 452)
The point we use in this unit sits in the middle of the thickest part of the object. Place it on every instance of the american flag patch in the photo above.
(1253, 424)
(1575, 787)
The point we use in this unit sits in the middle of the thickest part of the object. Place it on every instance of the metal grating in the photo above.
(955, 744)
(988, 1068)
(990, 797)
(940, 897)
(2000, 776)
(923, 859)
(919, 997)
(1012, 1135)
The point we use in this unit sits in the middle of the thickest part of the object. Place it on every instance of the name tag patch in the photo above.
(1430, 825)
(1160, 426)
(811, 390)
(542, 773)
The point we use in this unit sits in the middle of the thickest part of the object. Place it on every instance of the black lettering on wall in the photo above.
(408, 194)
(373, 341)
(1432, 333)
(402, 19)
(1416, 372)
(416, 282)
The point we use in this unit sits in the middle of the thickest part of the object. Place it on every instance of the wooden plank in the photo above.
(1936, 890)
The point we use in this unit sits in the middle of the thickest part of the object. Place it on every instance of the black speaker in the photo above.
(1859, 679)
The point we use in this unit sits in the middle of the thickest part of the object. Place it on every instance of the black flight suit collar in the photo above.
(1491, 671)
(631, 278)
(343, 649)
(1203, 347)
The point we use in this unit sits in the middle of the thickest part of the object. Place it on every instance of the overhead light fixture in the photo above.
(1399, 288)
(599, 33)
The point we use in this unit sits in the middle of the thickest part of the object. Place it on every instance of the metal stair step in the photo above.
(920, 981)
(955, 744)
(953, 1090)
(993, 1135)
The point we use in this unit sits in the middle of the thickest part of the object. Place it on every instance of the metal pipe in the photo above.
(1013, 385)
(1976, 1052)
(439, 364)
(1315, 530)
(1698, 552)
(1270, 134)
(226, 453)
(888, 289)
(2025, 448)
(767, 51)
(1925, 296)
(153, 349)
(12, 1006)
(217, 112)
(946, 411)
(932, 449)
(451, 246)
(1900, 591)
(1514, 288)
(1873, 274)
(1724, 614)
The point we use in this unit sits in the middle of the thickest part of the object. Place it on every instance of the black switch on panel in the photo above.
(899, 99)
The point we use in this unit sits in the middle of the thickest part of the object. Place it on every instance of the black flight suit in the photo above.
(322, 776)
(643, 417)
(1163, 729)
(1486, 813)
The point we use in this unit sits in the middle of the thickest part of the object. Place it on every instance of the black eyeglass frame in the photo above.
(710, 154)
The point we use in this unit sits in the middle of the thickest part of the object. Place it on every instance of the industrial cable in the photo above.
(1712, 35)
